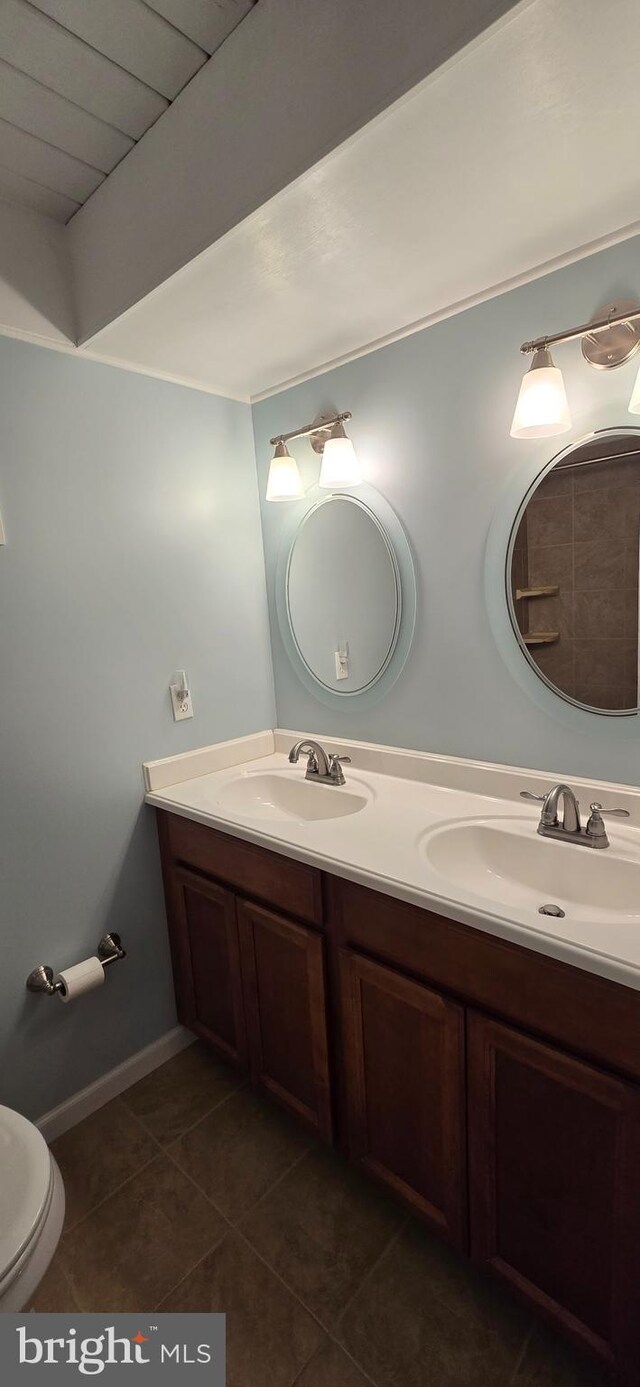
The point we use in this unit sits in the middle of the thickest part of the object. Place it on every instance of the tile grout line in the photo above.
(522, 1354)
(250, 1209)
(237, 1228)
(273, 1272)
(347, 1353)
(328, 1334)
(116, 1190)
(160, 1151)
(224, 1234)
(309, 1363)
(339, 1343)
(298, 1298)
(369, 1272)
(320, 1350)
(227, 1097)
(105, 1199)
(230, 1226)
(265, 1195)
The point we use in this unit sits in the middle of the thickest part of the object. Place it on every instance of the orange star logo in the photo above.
(139, 1338)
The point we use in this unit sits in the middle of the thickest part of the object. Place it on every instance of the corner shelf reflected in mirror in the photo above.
(541, 637)
(522, 593)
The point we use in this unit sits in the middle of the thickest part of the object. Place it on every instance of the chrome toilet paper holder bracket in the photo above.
(109, 950)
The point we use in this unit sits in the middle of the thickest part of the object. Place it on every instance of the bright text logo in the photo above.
(175, 1349)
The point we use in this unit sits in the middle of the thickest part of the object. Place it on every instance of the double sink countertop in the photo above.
(441, 832)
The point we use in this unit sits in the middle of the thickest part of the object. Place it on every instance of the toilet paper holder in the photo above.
(109, 950)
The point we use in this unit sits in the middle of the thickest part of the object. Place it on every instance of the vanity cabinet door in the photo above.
(554, 1156)
(404, 1081)
(285, 1005)
(210, 997)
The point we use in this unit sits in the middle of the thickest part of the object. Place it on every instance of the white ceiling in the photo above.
(82, 80)
(519, 151)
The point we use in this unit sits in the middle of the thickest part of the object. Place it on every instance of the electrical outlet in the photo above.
(181, 697)
(342, 662)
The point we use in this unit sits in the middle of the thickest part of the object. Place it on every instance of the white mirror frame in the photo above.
(494, 540)
(397, 545)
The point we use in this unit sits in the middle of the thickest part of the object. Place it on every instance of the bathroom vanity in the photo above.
(485, 1067)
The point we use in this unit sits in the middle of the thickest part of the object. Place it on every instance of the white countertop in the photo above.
(382, 846)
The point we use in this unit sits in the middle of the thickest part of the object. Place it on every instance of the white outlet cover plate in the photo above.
(181, 703)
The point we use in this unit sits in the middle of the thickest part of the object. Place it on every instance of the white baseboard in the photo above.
(114, 1082)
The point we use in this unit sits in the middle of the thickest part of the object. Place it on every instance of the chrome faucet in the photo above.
(325, 768)
(571, 830)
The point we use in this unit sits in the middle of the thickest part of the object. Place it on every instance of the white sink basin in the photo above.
(286, 796)
(506, 861)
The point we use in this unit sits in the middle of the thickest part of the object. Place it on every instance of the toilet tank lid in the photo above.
(25, 1180)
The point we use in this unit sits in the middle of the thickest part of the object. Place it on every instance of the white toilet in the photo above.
(31, 1209)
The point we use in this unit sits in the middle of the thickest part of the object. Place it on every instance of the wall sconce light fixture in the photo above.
(340, 466)
(284, 482)
(327, 436)
(542, 409)
(609, 340)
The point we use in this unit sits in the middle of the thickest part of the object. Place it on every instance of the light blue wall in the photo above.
(133, 549)
(431, 424)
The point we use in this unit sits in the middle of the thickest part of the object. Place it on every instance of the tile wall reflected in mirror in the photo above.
(574, 573)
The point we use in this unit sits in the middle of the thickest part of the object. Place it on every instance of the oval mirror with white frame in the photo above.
(572, 573)
(346, 598)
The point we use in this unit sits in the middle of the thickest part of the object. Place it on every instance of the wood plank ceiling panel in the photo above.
(45, 164)
(38, 46)
(207, 22)
(51, 117)
(15, 188)
(82, 80)
(132, 35)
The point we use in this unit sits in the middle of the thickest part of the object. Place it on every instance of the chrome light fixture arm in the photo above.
(609, 318)
(321, 427)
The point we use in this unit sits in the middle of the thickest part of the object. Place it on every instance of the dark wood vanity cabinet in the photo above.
(285, 1008)
(403, 1074)
(206, 938)
(554, 1181)
(494, 1089)
(249, 980)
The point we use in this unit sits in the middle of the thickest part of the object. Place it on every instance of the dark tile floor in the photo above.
(192, 1192)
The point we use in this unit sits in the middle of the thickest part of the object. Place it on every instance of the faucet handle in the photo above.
(335, 767)
(526, 794)
(618, 813)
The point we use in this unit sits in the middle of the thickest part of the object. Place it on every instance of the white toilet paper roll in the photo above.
(83, 977)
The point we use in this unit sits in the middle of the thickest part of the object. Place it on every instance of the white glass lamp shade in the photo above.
(340, 466)
(634, 402)
(284, 482)
(542, 409)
